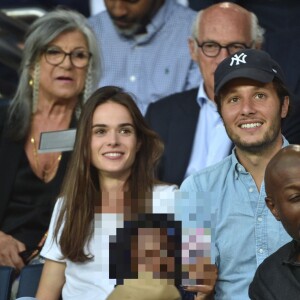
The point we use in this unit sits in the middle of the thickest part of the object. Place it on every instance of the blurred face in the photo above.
(64, 81)
(132, 16)
(222, 25)
(114, 143)
(153, 255)
(285, 203)
(252, 114)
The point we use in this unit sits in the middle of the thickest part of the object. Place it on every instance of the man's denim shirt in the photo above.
(245, 230)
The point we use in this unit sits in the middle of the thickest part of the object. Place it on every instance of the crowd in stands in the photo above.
(182, 182)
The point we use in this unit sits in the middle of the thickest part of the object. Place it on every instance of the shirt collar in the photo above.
(202, 97)
(291, 258)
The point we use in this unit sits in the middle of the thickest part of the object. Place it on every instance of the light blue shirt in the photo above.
(211, 142)
(151, 65)
(245, 230)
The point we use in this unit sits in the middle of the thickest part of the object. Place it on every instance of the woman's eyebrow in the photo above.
(99, 125)
(119, 125)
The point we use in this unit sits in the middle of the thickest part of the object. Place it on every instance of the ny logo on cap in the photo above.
(237, 59)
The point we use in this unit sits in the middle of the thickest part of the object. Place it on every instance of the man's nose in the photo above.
(247, 106)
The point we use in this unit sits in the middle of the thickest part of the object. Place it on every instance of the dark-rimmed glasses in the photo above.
(55, 56)
(212, 49)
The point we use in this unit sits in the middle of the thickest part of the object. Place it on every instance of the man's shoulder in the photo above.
(275, 259)
(271, 276)
(178, 23)
(187, 97)
(99, 18)
(269, 268)
(183, 11)
(210, 178)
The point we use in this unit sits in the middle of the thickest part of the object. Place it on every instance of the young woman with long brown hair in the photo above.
(110, 179)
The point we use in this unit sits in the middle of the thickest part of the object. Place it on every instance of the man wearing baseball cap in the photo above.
(252, 100)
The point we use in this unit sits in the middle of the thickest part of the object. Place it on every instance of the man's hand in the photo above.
(206, 276)
(204, 292)
(9, 251)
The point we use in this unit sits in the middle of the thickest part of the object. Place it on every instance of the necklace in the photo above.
(47, 173)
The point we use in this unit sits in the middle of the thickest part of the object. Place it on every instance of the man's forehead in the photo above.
(236, 83)
(225, 26)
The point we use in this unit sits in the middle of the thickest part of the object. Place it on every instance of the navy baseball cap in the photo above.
(248, 63)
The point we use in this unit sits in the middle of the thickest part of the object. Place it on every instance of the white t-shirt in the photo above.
(90, 280)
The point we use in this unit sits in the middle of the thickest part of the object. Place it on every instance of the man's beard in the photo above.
(129, 32)
(265, 143)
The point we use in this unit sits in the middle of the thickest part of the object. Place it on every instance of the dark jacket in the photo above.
(11, 153)
(278, 277)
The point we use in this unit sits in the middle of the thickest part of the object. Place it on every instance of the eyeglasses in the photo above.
(212, 49)
(55, 56)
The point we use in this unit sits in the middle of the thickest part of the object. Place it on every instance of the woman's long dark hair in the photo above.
(81, 190)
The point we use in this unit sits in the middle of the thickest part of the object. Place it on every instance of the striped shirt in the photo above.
(152, 65)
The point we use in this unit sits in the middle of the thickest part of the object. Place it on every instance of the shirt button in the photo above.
(132, 78)
(239, 169)
(259, 219)
(261, 251)
(251, 190)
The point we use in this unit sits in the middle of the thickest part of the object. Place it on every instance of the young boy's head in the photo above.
(282, 182)
(148, 248)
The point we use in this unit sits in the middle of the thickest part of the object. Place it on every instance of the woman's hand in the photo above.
(9, 251)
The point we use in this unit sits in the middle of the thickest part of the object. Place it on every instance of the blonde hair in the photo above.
(41, 32)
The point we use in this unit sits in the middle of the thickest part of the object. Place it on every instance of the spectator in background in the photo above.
(188, 122)
(60, 69)
(26, 11)
(277, 278)
(280, 19)
(144, 50)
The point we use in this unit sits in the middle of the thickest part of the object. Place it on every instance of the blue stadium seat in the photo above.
(7, 275)
(29, 280)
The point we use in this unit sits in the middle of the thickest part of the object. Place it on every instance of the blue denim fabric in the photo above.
(245, 231)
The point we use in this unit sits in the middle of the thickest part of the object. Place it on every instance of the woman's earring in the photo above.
(31, 82)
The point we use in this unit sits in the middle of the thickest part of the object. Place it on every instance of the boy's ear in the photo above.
(272, 207)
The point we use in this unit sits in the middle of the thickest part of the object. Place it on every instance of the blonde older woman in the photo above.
(60, 69)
